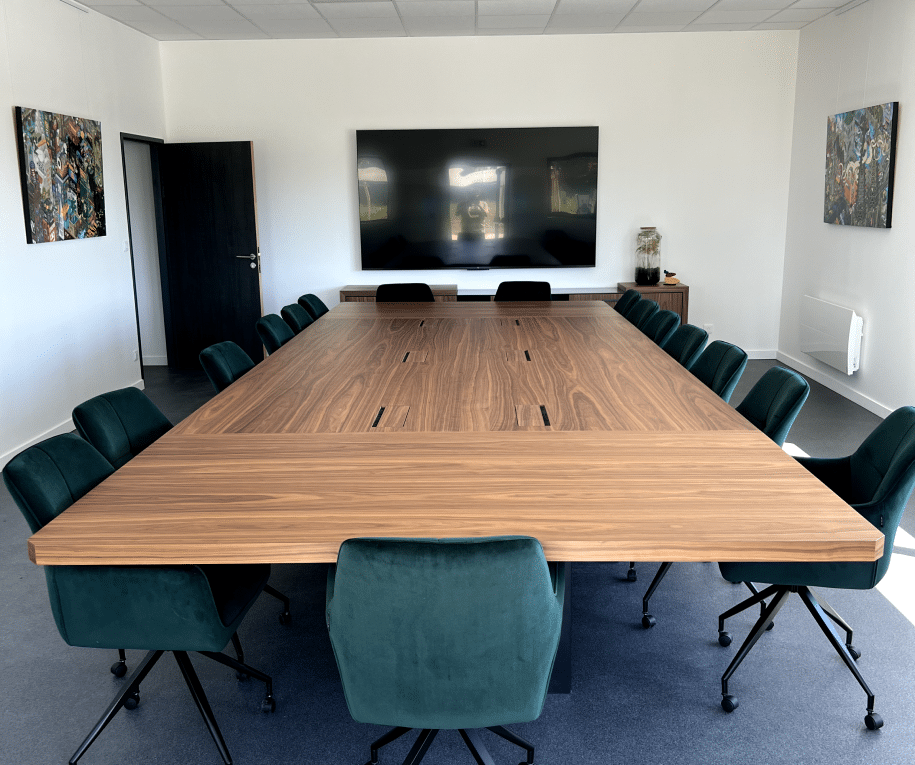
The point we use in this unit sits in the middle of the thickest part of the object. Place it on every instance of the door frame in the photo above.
(149, 140)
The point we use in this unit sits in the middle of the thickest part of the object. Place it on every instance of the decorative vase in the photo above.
(648, 256)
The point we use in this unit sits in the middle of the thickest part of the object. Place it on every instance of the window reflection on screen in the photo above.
(477, 203)
(373, 189)
(573, 184)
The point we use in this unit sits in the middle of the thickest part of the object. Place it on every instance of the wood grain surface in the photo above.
(557, 420)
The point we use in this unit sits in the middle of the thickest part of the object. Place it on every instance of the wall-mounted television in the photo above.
(477, 199)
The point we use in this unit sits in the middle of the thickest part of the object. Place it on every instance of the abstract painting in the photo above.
(60, 163)
(860, 161)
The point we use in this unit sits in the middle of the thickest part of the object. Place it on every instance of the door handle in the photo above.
(247, 257)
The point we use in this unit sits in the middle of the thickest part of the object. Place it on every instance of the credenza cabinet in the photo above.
(365, 293)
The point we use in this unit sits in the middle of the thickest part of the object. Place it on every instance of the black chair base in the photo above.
(823, 614)
(471, 739)
(285, 616)
(131, 693)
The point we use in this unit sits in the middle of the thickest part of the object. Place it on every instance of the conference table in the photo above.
(558, 420)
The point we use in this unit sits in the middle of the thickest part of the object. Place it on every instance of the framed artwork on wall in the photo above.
(60, 167)
(860, 162)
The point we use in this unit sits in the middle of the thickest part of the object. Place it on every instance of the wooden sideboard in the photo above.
(670, 297)
(365, 293)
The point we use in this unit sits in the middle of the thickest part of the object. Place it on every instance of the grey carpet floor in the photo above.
(639, 696)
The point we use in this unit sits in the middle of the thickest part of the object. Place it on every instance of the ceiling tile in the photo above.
(798, 14)
(584, 20)
(199, 13)
(291, 28)
(130, 13)
(620, 7)
(186, 3)
(659, 19)
(831, 4)
(782, 25)
(284, 12)
(673, 6)
(103, 3)
(439, 25)
(659, 28)
(735, 17)
(752, 5)
(719, 27)
(368, 27)
(437, 8)
(358, 10)
(516, 21)
(515, 7)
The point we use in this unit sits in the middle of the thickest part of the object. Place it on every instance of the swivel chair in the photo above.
(641, 312)
(314, 305)
(523, 291)
(720, 366)
(154, 608)
(444, 634)
(876, 481)
(296, 317)
(406, 292)
(686, 343)
(626, 302)
(273, 332)
(224, 363)
(661, 326)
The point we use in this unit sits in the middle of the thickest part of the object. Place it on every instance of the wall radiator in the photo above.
(831, 333)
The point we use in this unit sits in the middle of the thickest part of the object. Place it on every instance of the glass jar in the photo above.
(648, 256)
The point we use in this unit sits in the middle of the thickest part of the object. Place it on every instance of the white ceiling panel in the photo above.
(286, 19)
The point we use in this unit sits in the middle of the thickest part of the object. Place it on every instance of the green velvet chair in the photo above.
(876, 481)
(122, 423)
(661, 326)
(153, 608)
(686, 343)
(404, 292)
(273, 332)
(444, 634)
(508, 291)
(626, 302)
(314, 305)
(720, 366)
(296, 317)
(224, 363)
(772, 405)
(641, 312)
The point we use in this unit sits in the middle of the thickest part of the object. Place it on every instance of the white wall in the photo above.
(695, 138)
(144, 245)
(861, 58)
(67, 320)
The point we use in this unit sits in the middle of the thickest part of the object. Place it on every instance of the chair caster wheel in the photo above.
(119, 669)
(242, 677)
(132, 701)
(855, 653)
(724, 638)
(873, 721)
(285, 617)
(268, 705)
(770, 626)
(631, 575)
(648, 621)
(729, 703)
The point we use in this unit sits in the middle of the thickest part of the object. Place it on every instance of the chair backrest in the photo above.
(146, 607)
(314, 305)
(641, 312)
(661, 326)
(406, 292)
(444, 634)
(686, 343)
(47, 478)
(224, 363)
(296, 317)
(524, 291)
(720, 366)
(273, 332)
(627, 300)
(773, 403)
(120, 424)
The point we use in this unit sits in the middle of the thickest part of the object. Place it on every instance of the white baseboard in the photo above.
(835, 385)
(66, 426)
(155, 361)
(761, 354)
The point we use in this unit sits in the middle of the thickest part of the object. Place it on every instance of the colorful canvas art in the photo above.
(860, 160)
(60, 161)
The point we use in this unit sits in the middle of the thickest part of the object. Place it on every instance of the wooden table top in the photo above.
(556, 420)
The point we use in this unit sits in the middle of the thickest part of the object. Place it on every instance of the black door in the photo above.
(208, 249)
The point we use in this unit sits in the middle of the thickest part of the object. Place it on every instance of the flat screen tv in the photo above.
(477, 199)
